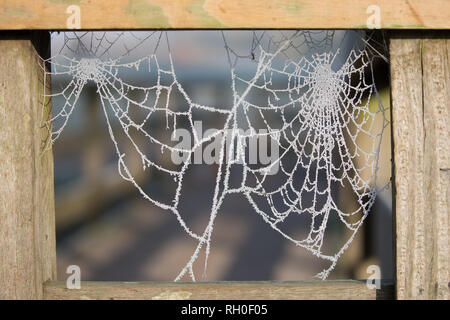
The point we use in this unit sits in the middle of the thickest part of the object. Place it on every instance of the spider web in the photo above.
(308, 92)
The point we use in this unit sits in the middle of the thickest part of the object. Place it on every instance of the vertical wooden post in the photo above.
(421, 123)
(27, 223)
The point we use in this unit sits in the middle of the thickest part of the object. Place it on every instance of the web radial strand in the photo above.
(308, 92)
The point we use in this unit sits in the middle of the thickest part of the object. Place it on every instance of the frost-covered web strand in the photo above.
(320, 106)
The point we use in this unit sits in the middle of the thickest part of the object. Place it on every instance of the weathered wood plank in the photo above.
(421, 122)
(27, 237)
(436, 95)
(345, 290)
(147, 14)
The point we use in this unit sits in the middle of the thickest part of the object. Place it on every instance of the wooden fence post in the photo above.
(421, 123)
(27, 222)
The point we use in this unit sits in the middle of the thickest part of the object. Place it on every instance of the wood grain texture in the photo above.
(421, 122)
(345, 290)
(27, 237)
(436, 90)
(195, 14)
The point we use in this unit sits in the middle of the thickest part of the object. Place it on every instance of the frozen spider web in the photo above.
(307, 92)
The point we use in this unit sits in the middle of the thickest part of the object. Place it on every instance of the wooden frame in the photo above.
(420, 89)
(237, 14)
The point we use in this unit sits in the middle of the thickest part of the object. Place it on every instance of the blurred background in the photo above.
(105, 226)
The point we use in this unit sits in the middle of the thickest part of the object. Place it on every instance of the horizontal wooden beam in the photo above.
(200, 14)
(261, 290)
